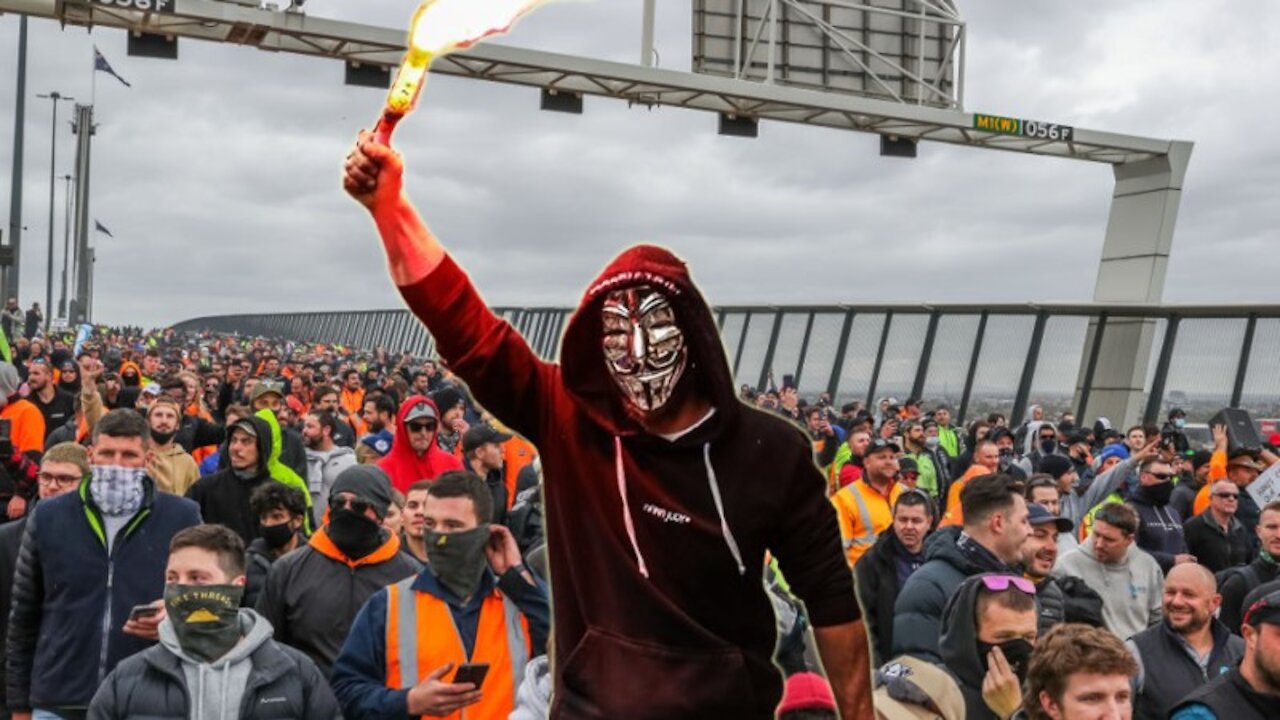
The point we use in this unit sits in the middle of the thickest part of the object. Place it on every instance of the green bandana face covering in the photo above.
(206, 618)
(458, 559)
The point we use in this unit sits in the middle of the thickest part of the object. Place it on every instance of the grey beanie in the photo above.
(10, 381)
(367, 482)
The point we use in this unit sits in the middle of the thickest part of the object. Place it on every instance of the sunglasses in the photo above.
(417, 427)
(1161, 476)
(357, 505)
(1000, 583)
(904, 690)
(1231, 495)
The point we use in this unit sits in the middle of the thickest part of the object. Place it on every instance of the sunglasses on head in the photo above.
(424, 426)
(358, 505)
(1000, 583)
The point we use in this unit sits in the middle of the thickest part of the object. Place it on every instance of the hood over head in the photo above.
(582, 359)
(959, 643)
(261, 431)
(402, 464)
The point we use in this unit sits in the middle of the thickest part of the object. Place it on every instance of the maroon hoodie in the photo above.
(656, 548)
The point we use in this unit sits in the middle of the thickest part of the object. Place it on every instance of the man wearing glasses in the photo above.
(312, 594)
(415, 455)
(1159, 524)
(1217, 539)
(61, 470)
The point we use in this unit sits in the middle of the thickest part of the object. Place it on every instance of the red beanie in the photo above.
(807, 691)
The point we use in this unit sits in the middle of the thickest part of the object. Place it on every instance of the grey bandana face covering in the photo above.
(644, 347)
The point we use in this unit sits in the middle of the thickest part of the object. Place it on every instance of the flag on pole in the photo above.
(100, 63)
(102, 228)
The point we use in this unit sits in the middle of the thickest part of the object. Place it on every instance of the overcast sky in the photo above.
(219, 174)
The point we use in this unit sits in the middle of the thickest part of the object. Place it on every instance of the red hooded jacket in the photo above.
(656, 547)
(404, 466)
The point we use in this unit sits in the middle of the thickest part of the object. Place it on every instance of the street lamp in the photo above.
(66, 249)
(55, 96)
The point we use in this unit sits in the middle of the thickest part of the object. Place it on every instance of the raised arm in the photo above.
(484, 350)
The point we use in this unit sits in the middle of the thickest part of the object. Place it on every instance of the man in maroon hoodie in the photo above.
(663, 491)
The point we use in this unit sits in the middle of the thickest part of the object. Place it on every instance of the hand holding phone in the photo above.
(473, 673)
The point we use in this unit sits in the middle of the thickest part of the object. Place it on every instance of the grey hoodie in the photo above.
(533, 697)
(216, 689)
(1132, 590)
(323, 468)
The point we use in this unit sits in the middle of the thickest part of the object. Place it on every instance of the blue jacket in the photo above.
(71, 599)
(359, 675)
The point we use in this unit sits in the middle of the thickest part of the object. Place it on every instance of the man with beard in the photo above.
(1188, 649)
(172, 467)
(325, 458)
(475, 583)
(661, 611)
(326, 399)
(55, 404)
(1251, 691)
(312, 595)
(1039, 553)
(379, 418)
(1237, 583)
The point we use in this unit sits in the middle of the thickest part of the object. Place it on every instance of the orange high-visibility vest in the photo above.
(421, 637)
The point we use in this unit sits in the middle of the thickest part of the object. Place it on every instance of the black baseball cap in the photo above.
(1263, 605)
(1039, 515)
(906, 465)
(481, 434)
(879, 444)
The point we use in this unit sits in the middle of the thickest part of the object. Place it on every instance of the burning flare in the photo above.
(439, 28)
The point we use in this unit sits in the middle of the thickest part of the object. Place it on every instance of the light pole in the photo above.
(66, 250)
(12, 273)
(55, 96)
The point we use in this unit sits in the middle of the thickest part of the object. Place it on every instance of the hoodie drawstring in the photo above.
(626, 507)
(714, 484)
(724, 523)
(200, 669)
(226, 669)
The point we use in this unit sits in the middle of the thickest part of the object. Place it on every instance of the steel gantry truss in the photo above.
(293, 32)
(1148, 172)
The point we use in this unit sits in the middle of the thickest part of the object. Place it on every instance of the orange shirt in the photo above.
(955, 514)
(26, 426)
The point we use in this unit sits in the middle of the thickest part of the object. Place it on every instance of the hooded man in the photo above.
(663, 491)
(313, 594)
(415, 455)
(215, 659)
(474, 588)
(988, 633)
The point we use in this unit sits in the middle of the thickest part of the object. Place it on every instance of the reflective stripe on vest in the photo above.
(418, 644)
(869, 534)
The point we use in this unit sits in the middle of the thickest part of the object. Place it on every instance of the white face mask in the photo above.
(931, 442)
(644, 347)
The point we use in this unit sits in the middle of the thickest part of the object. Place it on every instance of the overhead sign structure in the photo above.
(1023, 128)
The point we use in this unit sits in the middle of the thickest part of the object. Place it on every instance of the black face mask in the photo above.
(458, 559)
(1048, 446)
(1160, 493)
(276, 536)
(1016, 651)
(162, 438)
(354, 533)
(206, 618)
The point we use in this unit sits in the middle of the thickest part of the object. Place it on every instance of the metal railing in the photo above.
(977, 358)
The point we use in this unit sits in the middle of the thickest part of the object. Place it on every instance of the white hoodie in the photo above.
(1132, 590)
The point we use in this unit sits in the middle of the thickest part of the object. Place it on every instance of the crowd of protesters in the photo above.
(211, 526)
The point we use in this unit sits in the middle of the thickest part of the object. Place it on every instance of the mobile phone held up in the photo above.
(473, 673)
(143, 611)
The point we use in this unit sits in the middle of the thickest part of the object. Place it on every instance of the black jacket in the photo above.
(958, 648)
(1169, 672)
(1214, 548)
(66, 626)
(1239, 583)
(282, 684)
(10, 544)
(196, 432)
(1159, 529)
(223, 497)
(1231, 698)
(917, 614)
(877, 587)
(312, 594)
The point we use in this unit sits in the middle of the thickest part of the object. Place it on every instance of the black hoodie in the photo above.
(656, 548)
(224, 497)
(959, 648)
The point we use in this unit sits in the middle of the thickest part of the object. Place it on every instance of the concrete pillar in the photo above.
(1135, 256)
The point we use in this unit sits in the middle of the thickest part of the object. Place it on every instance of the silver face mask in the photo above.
(644, 348)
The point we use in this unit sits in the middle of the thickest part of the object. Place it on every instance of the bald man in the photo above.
(1187, 649)
(1216, 537)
